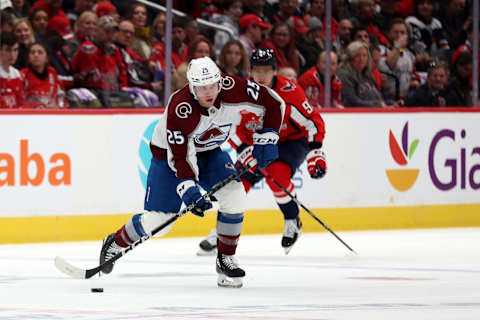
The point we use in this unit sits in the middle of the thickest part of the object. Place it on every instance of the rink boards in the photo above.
(79, 175)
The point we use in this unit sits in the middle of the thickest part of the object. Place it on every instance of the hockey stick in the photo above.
(294, 198)
(79, 273)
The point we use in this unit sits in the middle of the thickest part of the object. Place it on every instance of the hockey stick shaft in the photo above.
(294, 198)
(86, 274)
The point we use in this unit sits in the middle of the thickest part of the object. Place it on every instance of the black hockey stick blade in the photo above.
(78, 273)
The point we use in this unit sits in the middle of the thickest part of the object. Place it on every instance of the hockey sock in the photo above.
(289, 209)
(130, 232)
(229, 226)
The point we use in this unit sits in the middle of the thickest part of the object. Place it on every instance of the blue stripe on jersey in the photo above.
(137, 224)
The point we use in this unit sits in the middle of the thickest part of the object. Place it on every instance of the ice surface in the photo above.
(408, 274)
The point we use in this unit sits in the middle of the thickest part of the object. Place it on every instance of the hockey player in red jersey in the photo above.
(186, 154)
(301, 138)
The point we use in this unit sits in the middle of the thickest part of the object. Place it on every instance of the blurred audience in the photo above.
(41, 85)
(358, 86)
(98, 65)
(313, 81)
(24, 33)
(251, 32)
(281, 41)
(233, 60)
(142, 41)
(232, 13)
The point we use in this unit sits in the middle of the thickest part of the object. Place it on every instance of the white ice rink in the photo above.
(412, 274)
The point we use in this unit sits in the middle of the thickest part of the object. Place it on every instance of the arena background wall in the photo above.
(74, 175)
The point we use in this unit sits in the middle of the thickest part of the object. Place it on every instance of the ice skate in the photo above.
(230, 275)
(291, 232)
(109, 249)
(208, 246)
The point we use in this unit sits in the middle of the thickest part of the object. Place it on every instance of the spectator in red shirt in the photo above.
(98, 65)
(282, 42)
(41, 85)
(312, 82)
(53, 7)
(11, 82)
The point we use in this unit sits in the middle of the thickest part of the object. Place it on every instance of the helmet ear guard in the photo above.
(203, 72)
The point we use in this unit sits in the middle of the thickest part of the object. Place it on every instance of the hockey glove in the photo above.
(316, 165)
(190, 194)
(265, 148)
(245, 157)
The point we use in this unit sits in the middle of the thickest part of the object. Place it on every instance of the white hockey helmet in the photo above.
(202, 72)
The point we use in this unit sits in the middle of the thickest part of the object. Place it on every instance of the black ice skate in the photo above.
(291, 232)
(230, 275)
(109, 249)
(208, 246)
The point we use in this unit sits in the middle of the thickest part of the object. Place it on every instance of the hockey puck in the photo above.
(96, 289)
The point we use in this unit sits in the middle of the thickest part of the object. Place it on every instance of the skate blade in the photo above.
(287, 249)
(228, 282)
(203, 253)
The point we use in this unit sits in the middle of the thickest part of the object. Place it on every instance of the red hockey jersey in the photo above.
(311, 82)
(43, 91)
(98, 69)
(11, 88)
(187, 128)
(300, 120)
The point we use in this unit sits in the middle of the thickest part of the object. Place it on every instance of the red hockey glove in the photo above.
(317, 167)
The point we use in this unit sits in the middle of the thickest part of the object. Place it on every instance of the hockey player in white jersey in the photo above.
(186, 154)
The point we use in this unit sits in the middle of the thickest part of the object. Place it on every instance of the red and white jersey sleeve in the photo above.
(300, 119)
(187, 128)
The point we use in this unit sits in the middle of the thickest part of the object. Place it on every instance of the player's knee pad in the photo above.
(152, 219)
(231, 198)
(281, 173)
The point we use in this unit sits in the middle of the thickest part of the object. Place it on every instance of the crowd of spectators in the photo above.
(89, 53)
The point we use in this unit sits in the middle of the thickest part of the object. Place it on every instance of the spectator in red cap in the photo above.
(107, 8)
(53, 7)
(281, 41)
(80, 7)
(98, 65)
(251, 32)
(62, 26)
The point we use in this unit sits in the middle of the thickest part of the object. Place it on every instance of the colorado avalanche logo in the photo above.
(227, 83)
(215, 135)
(183, 110)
